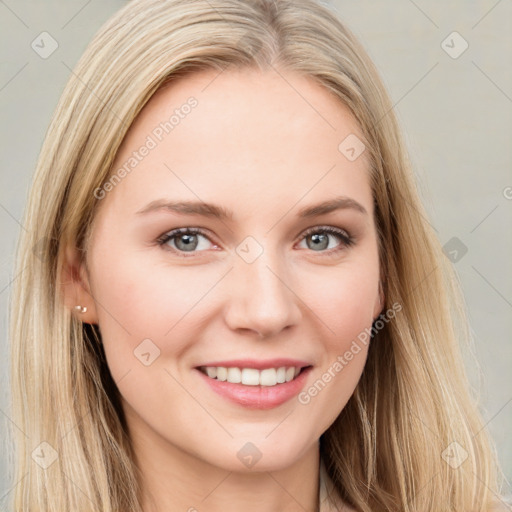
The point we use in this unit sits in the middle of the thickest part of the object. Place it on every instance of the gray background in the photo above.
(456, 114)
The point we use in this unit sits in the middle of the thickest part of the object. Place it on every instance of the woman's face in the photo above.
(264, 149)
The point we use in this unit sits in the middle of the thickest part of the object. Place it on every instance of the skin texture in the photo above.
(263, 145)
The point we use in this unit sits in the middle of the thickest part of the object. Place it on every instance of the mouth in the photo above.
(267, 377)
(253, 388)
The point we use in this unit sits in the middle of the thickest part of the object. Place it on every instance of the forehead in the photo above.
(245, 105)
(273, 135)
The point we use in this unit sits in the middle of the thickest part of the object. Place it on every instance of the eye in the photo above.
(319, 239)
(187, 240)
(184, 240)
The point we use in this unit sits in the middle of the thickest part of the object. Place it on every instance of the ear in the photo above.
(75, 287)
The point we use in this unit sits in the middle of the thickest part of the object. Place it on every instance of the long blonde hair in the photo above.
(385, 451)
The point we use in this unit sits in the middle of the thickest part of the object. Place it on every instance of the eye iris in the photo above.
(190, 241)
(320, 240)
(187, 240)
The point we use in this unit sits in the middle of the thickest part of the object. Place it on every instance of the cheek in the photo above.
(173, 307)
(344, 299)
(344, 305)
(349, 317)
(142, 297)
(137, 302)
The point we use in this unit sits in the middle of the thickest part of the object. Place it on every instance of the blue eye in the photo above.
(185, 240)
(320, 236)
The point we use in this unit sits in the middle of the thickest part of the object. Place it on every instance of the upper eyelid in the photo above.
(206, 233)
(325, 227)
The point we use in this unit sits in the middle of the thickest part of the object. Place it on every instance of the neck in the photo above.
(179, 480)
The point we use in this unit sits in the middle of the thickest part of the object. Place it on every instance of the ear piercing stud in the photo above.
(81, 309)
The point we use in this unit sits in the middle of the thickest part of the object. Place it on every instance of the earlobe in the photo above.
(75, 287)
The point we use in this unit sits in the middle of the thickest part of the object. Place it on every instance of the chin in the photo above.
(261, 453)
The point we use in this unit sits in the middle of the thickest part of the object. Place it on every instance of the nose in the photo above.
(261, 297)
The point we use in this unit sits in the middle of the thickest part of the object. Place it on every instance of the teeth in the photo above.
(252, 376)
(234, 375)
(211, 371)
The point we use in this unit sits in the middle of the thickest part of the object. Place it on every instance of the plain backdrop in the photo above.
(454, 104)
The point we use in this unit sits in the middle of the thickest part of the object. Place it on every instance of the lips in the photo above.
(257, 397)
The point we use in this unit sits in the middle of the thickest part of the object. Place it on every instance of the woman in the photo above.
(181, 338)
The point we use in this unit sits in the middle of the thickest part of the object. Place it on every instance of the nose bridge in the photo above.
(261, 297)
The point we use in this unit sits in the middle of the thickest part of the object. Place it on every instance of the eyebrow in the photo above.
(215, 211)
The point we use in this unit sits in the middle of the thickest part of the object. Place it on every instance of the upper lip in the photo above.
(259, 364)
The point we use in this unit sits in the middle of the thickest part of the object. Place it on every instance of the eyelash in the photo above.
(346, 238)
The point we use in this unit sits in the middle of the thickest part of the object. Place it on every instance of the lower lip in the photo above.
(258, 397)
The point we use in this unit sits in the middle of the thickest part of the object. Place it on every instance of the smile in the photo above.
(252, 376)
(253, 388)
